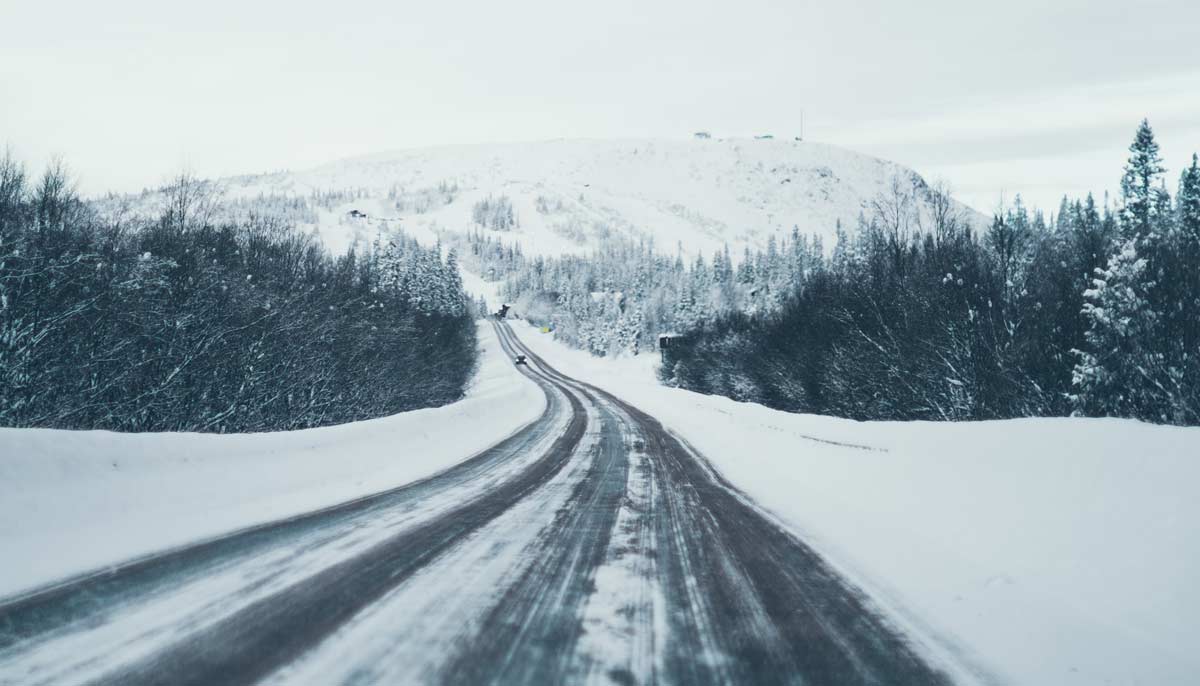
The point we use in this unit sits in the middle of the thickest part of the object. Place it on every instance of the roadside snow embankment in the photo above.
(1040, 551)
(71, 501)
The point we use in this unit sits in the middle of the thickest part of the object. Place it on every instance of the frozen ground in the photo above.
(1043, 551)
(71, 501)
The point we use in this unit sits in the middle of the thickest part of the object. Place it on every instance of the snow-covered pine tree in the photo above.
(1130, 366)
(685, 316)
(1120, 372)
(453, 302)
(634, 323)
(745, 270)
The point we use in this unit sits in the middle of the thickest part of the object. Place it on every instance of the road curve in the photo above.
(591, 546)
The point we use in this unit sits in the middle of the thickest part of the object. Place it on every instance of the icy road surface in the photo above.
(591, 547)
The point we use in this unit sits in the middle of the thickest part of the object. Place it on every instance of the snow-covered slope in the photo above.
(568, 195)
(71, 501)
(1031, 551)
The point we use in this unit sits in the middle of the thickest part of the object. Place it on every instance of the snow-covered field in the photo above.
(71, 501)
(1053, 552)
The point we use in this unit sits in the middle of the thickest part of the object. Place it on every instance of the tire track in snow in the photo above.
(270, 633)
(91, 624)
(591, 547)
(746, 601)
(531, 633)
(411, 635)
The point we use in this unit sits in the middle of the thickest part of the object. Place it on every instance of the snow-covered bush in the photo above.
(181, 324)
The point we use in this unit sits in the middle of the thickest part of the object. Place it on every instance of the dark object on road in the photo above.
(502, 312)
(521, 359)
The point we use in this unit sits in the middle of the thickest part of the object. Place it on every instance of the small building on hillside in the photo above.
(355, 214)
(702, 135)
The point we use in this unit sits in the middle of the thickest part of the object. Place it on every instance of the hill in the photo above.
(567, 195)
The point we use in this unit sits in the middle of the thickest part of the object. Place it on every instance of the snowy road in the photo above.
(591, 546)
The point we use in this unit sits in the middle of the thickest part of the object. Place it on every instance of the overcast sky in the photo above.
(996, 98)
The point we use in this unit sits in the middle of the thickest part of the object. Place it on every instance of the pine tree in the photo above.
(1119, 374)
(840, 261)
(1183, 286)
(745, 270)
(1140, 183)
(454, 303)
(635, 323)
(1188, 202)
(1010, 238)
(685, 315)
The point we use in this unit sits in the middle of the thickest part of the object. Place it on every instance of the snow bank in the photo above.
(1039, 551)
(76, 500)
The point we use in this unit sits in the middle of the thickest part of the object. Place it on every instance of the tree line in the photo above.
(617, 299)
(187, 321)
(1094, 312)
(917, 312)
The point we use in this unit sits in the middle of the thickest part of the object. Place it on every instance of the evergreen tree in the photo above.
(1140, 184)
(1119, 374)
(1188, 202)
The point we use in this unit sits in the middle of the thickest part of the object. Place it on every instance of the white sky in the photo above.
(997, 98)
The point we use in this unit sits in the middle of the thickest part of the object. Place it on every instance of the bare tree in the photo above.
(895, 213)
(945, 218)
(12, 184)
(54, 196)
(190, 201)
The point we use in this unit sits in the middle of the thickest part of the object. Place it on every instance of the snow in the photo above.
(571, 195)
(72, 501)
(476, 287)
(1035, 551)
(1040, 551)
(626, 595)
(452, 595)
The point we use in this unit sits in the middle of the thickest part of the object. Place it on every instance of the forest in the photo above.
(196, 321)
(914, 313)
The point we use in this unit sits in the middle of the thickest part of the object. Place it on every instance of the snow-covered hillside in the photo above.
(568, 195)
